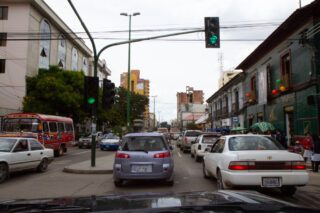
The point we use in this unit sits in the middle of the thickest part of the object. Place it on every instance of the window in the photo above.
(22, 146)
(2, 65)
(69, 127)
(253, 143)
(286, 70)
(61, 127)
(3, 12)
(35, 145)
(45, 34)
(3, 39)
(74, 63)
(45, 127)
(218, 146)
(144, 144)
(62, 52)
(253, 87)
(53, 126)
(269, 80)
(236, 96)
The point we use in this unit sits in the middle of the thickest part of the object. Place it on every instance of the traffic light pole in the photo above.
(95, 64)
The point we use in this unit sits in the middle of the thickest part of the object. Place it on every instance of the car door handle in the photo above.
(41, 153)
(29, 154)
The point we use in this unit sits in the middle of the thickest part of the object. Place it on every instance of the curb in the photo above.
(87, 171)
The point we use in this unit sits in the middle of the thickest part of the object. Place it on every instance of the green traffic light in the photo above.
(213, 39)
(91, 100)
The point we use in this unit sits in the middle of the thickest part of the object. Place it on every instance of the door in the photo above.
(216, 156)
(21, 156)
(36, 152)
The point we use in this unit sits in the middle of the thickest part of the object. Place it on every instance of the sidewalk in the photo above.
(104, 165)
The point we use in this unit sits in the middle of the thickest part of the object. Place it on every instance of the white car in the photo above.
(254, 160)
(203, 141)
(18, 154)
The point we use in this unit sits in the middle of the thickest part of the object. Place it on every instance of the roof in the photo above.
(39, 116)
(295, 21)
(144, 134)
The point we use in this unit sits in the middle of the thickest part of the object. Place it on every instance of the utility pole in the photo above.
(154, 109)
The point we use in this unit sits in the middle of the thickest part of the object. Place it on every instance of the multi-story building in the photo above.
(139, 86)
(280, 80)
(33, 36)
(190, 106)
(227, 76)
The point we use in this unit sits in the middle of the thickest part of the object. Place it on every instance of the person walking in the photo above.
(307, 146)
(315, 157)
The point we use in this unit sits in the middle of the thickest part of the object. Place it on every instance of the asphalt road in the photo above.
(188, 177)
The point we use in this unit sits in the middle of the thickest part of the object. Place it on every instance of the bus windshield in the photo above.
(20, 124)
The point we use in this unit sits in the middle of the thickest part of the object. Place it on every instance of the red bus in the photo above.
(54, 132)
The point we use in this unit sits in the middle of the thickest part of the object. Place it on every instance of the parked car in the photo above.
(18, 154)
(188, 137)
(109, 142)
(203, 141)
(86, 141)
(255, 161)
(143, 156)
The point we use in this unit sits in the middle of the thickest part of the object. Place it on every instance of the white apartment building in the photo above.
(33, 36)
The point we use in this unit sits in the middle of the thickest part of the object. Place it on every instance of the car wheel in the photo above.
(288, 190)
(59, 152)
(220, 183)
(118, 183)
(205, 172)
(3, 172)
(43, 165)
(197, 158)
(80, 147)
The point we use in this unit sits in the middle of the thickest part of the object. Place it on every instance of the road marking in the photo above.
(79, 153)
(179, 154)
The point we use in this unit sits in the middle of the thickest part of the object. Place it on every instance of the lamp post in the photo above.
(128, 77)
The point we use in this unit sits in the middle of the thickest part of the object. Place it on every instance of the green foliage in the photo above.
(55, 92)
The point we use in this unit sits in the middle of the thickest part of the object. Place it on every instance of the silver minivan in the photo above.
(143, 156)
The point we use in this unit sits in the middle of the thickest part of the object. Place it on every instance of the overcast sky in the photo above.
(172, 65)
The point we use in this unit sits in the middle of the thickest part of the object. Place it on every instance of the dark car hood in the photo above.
(152, 202)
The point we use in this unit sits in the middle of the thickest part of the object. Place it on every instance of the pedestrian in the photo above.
(315, 157)
(307, 146)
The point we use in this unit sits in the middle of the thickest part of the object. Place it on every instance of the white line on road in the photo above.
(79, 153)
(179, 154)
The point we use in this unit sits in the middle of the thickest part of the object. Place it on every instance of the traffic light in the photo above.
(212, 32)
(108, 94)
(91, 91)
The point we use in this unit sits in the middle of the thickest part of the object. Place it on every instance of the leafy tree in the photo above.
(55, 91)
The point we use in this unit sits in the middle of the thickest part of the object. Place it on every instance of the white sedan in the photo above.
(18, 154)
(203, 142)
(254, 160)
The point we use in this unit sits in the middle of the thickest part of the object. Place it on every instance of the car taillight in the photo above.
(162, 155)
(298, 165)
(242, 165)
(199, 147)
(122, 155)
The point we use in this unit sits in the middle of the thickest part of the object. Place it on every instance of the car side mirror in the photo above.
(207, 150)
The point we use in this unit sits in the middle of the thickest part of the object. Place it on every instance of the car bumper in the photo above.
(118, 174)
(255, 178)
(109, 146)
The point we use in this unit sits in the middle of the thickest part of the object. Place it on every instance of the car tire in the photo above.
(80, 147)
(3, 172)
(118, 183)
(43, 166)
(197, 158)
(288, 190)
(205, 172)
(220, 183)
(59, 152)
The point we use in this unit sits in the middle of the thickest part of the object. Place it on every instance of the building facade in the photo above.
(190, 107)
(42, 39)
(227, 76)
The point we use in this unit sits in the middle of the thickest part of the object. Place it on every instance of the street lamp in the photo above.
(128, 77)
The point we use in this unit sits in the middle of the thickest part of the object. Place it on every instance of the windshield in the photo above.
(144, 144)
(242, 143)
(210, 139)
(6, 144)
(20, 124)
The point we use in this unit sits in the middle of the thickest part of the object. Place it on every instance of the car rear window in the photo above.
(210, 139)
(6, 144)
(144, 144)
(193, 134)
(253, 143)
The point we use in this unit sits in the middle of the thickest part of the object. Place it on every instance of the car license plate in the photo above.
(271, 182)
(141, 168)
